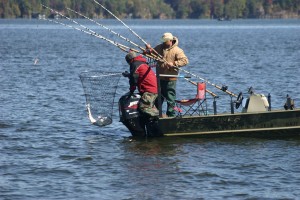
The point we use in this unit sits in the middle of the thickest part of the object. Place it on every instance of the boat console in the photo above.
(255, 103)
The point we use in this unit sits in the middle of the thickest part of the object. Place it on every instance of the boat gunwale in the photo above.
(226, 114)
(234, 131)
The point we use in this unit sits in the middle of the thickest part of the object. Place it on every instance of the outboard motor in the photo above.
(129, 114)
(137, 124)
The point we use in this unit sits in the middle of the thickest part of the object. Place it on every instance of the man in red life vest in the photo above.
(143, 77)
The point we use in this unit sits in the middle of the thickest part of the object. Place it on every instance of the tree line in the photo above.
(156, 9)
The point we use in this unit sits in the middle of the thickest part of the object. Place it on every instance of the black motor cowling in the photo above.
(130, 116)
(137, 123)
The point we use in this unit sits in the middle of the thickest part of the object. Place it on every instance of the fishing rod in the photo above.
(129, 29)
(159, 57)
(122, 47)
(223, 88)
(91, 31)
(52, 10)
(126, 39)
(110, 30)
(187, 79)
(121, 22)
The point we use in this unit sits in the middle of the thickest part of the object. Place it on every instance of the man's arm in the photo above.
(181, 59)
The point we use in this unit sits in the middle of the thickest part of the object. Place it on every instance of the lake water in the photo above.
(49, 150)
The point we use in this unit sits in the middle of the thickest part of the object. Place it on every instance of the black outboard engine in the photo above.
(130, 116)
(137, 124)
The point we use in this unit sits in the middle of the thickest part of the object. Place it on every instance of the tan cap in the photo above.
(167, 37)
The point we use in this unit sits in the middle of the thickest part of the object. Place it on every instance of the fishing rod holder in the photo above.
(269, 100)
(232, 104)
(289, 104)
(215, 105)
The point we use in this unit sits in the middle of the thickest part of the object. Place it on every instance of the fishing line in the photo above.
(36, 59)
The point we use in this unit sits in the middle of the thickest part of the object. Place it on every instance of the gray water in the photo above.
(49, 150)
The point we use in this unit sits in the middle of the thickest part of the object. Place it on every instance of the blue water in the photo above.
(49, 150)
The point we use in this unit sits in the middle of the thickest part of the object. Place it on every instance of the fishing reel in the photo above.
(224, 88)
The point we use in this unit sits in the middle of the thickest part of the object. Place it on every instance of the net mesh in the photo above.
(99, 90)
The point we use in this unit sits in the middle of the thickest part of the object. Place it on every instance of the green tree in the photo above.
(25, 8)
(15, 10)
(235, 8)
(183, 9)
(217, 8)
(199, 9)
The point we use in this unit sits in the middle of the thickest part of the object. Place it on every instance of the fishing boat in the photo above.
(257, 119)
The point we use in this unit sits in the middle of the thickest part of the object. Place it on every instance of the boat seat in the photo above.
(195, 106)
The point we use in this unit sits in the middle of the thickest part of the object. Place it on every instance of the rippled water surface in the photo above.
(49, 150)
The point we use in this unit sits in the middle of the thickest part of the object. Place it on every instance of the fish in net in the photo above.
(99, 90)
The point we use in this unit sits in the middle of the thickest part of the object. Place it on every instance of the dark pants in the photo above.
(146, 104)
(168, 92)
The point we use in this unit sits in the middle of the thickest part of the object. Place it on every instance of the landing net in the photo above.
(99, 90)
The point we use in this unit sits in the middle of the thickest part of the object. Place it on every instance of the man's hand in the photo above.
(126, 74)
(148, 49)
(169, 65)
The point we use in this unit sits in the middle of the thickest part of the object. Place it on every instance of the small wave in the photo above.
(5, 125)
